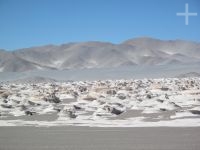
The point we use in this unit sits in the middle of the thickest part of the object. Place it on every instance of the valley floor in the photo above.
(101, 114)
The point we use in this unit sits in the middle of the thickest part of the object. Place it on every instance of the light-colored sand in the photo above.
(85, 138)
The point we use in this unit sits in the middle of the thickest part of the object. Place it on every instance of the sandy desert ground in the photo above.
(143, 114)
(87, 138)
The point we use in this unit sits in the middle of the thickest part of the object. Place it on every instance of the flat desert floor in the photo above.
(87, 138)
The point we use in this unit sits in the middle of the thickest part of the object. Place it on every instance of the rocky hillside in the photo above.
(138, 51)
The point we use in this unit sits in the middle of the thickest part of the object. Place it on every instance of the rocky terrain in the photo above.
(104, 103)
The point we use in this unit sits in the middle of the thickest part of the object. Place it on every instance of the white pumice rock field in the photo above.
(102, 103)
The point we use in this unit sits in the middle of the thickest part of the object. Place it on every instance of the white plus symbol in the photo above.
(186, 14)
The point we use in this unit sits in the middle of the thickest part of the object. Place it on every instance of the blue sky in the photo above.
(27, 23)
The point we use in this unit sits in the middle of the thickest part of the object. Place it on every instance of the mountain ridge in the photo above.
(97, 54)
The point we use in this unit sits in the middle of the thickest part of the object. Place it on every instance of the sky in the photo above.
(28, 23)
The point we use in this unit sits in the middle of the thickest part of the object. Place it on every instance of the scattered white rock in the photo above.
(86, 102)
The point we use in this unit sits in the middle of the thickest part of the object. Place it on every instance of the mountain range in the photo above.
(137, 51)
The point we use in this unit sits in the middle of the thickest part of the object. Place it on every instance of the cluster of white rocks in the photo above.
(102, 103)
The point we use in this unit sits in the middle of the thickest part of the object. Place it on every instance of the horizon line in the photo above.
(100, 41)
